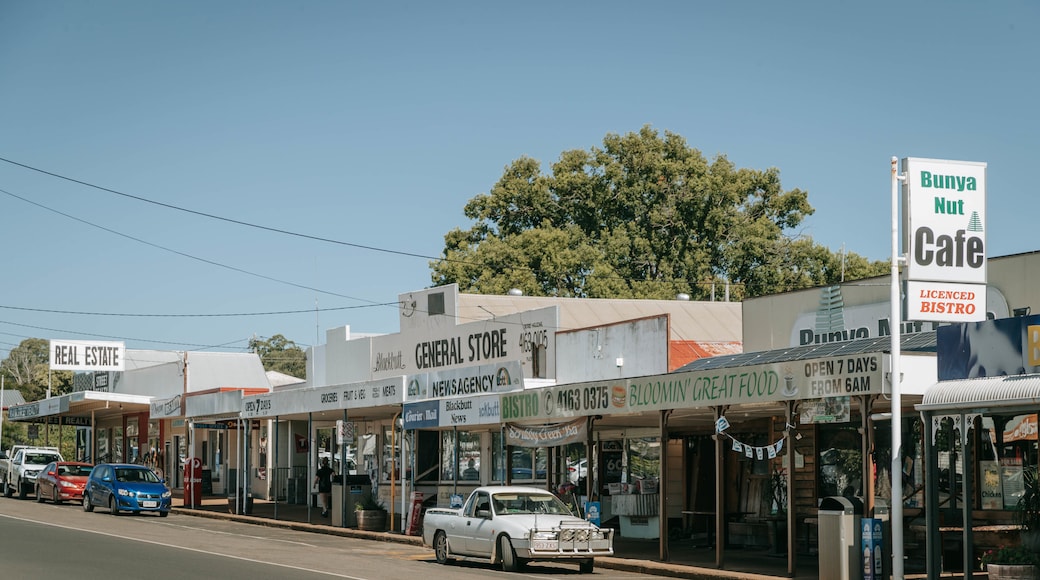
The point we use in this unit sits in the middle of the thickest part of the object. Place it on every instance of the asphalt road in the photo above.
(46, 542)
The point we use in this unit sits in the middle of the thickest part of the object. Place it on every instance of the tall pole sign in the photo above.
(944, 235)
(946, 239)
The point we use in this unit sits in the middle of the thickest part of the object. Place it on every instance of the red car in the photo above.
(62, 480)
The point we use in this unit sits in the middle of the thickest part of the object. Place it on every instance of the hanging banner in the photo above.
(546, 435)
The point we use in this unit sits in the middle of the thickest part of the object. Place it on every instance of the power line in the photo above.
(221, 218)
(146, 340)
(218, 315)
(179, 253)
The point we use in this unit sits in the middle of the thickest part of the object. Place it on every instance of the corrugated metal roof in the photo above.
(13, 397)
(917, 342)
(703, 322)
(983, 393)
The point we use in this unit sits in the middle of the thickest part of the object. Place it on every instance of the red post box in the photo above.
(192, 482)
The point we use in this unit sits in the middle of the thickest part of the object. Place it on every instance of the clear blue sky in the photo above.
(373, 123)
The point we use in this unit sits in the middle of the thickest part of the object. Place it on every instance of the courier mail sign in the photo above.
(945, 240)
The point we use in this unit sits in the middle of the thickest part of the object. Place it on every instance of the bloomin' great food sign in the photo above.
(858, 374)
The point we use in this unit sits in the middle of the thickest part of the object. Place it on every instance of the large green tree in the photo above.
(644, 216)
(280, 354)
(27, 368)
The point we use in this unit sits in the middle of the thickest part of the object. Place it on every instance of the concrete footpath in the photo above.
(630, 555)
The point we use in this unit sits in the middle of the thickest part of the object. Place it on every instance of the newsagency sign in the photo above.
(945, 240)
(858, 374)
(77, 355)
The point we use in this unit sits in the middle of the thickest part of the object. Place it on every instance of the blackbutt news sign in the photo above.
(945, 238)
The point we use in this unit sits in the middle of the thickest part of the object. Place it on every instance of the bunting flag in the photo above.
(751, 451)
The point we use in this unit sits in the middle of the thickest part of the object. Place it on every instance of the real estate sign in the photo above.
(77, 355)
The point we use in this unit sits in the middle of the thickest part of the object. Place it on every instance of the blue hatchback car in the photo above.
(126, 487)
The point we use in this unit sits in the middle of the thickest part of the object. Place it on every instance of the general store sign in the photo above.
(76, 355)
(859, 374)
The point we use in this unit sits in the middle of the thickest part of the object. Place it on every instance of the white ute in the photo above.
(512, 526)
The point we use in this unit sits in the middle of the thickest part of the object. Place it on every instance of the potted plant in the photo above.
(371, 515)
(1027, 510)
(1011, 563)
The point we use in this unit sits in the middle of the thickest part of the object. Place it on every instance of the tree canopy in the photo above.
(644, 216)
(280, 354)
(27, 368)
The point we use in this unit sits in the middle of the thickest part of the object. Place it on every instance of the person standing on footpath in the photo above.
(323, 479)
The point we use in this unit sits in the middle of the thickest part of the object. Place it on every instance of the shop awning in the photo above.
(1005, 393)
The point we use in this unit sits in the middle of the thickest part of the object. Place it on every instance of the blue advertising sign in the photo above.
(592, 512)
(871, 550)
(421, 415)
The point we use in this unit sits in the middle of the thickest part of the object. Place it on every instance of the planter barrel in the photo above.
(371, 520)
(1011, 572)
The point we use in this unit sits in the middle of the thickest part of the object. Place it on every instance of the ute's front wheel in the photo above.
(587, 566)
(510, 563)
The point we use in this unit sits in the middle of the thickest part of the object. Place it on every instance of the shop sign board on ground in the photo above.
(945, 238)
(859, 374)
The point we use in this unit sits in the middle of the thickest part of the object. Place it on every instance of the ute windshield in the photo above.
(528, 503)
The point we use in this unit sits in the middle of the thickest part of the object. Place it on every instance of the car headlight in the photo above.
(31, 473)
(544, 535)
(64, 483)
(124, 492)
(167, 494)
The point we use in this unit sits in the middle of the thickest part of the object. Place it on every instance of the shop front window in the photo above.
(840, 461)
(132, 441)
(529, 463)
(644, 462)
(448, 463)
(1008, 451)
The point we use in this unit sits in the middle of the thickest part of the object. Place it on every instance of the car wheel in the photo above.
(87, 506)
(21, 491)
(587, 566)
(112, 506)
(510, 563)
(39, 496)
(163, 514)
(440, 547)
(54, 497)
(7, 490)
